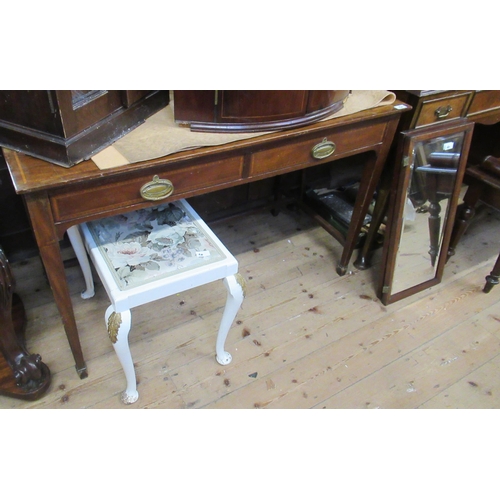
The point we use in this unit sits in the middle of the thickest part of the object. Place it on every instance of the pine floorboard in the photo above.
(304, 337)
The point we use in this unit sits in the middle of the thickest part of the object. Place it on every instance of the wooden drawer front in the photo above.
(299, 154)
(484, 100)
(68, 204)
(441, 109)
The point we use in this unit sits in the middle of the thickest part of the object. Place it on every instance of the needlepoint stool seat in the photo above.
(150, 254)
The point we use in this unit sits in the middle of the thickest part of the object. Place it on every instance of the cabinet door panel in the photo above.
(77, 114)
(261, 105)
(194, 105)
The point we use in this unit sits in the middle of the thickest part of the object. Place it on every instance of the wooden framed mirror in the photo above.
(429, 170)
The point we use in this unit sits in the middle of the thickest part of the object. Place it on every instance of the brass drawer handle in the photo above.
(442, 112)
(323, 150)
(157, 189)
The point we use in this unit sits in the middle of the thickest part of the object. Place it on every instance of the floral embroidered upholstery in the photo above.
(152, 243)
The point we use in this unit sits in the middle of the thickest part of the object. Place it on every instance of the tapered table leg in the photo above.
(368, 184)
(370, 178)
(363, 261)
(47, 240)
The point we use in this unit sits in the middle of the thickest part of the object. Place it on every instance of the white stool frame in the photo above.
(118, 315)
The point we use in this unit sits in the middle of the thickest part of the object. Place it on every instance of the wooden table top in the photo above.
(30, 174)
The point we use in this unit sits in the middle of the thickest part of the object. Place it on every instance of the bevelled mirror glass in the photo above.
(423, 200)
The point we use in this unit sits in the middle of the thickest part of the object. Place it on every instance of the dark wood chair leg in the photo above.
(493, 278)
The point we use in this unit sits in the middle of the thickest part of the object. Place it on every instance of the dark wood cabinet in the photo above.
(68, 126)
(254, 110)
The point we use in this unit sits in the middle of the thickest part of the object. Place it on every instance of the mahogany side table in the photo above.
(58, 198)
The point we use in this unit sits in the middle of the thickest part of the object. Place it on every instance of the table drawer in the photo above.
(484, 101)
(68, 204)
(300, 154)
(437, 110)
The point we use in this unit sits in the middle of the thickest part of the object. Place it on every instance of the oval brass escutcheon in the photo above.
(157, 189)
(323, 150)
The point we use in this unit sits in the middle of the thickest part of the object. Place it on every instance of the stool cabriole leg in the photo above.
(77, 243)
(235, 286)
(118, 325)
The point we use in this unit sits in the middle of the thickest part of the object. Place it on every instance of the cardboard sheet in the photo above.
(159, 135)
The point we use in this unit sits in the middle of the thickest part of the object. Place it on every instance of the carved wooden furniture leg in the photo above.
(22, 375)
(42, 222)
(493, 278)
(434, 228)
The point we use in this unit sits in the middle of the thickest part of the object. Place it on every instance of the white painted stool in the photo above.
(147, 255)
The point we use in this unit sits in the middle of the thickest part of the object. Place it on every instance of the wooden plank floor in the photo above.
(304, 338)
